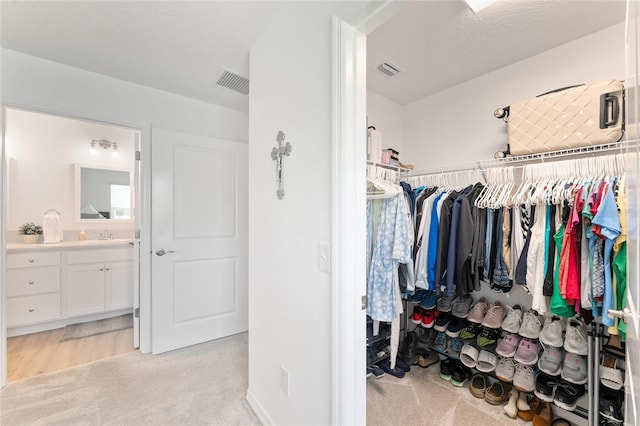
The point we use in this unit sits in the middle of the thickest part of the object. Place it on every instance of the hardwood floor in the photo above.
(33, 354)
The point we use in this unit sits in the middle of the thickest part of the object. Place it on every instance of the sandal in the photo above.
(610, 376)
(615, 346)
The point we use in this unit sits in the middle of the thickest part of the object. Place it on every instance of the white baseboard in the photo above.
(259, 409)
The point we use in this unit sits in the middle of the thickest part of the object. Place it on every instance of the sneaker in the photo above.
(550, 361)
(567, 395)
(461, 305)
(444, 303)
(611, 404)
(523, 379)
(487, 337)
(441, 344)
(527, 352)
(479, 309)
(574, 369)
(455, 345)
(551, 334)
(416, 316)
(446, 368)
(505, 369)
(418, 296)
(442, 322)
(545, 387)
(460, 375)
(429, 300)
(396, 371)
(455, 327)
(471, 331)
(576, 339)
(494, 316)
(428, 317)
(508, 345)
(513, 320)
(530, 325)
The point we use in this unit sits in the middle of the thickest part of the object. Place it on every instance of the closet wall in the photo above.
(462, 116)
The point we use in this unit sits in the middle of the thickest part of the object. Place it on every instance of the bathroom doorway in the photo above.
(71, 296)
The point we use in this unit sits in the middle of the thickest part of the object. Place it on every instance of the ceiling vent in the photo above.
(234, 82)
(389, 69)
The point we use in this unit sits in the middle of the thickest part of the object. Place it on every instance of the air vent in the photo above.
(234, 82)
(389, 69)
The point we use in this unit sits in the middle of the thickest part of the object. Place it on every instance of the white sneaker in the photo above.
(551, 334)
(575, 340)
(524, 379)
(530, 325)
(513, 320)
(506, 369)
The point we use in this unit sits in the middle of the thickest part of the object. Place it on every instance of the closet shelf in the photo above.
(478, 166)
(389, 166)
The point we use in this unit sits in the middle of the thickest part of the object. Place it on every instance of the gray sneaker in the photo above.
(550, 361)
(574, 369)
(461, 305)
(444, 303)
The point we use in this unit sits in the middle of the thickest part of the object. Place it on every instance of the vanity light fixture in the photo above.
(104, 144)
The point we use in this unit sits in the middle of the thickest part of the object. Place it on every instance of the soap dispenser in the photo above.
(82, 236)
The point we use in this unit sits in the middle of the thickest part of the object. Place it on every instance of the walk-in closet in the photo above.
(499, 246)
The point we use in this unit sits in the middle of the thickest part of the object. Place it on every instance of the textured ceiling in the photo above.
(442, 43)
(181, 46)
(176, 46)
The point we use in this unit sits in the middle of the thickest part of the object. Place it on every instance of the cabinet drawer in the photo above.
(99, 255)
(29, 260)
(32, 309)
(24, 282)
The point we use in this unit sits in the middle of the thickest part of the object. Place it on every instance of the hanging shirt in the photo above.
(608, 220)
(393, 245)
(432, 248)
(453, 239)
(559, 305)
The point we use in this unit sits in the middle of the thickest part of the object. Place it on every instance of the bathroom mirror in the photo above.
(103, 194)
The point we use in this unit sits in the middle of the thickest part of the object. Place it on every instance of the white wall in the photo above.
(387, 117)
(289, 298)
(50, 85)
(457, 125)
(44, 150)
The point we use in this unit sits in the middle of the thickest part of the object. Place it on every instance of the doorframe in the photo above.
(144, 217)
(348, 211)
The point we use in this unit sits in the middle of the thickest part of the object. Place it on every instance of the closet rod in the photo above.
(517, 159)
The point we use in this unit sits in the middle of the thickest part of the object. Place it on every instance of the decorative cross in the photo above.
(283, 149)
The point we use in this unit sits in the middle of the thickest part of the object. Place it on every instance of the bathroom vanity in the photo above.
(53, 285)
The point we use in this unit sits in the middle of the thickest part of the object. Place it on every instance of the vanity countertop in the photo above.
(70, 244)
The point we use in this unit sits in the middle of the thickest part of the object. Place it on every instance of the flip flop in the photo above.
(610, 376)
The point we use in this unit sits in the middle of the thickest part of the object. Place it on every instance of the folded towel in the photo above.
(52, 227)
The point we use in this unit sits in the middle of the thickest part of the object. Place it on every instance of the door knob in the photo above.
(162, 252)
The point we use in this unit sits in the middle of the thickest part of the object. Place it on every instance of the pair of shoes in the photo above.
(453, 370)
(551, 334)
(524, 378)
(488, 316)
(424, 317)
(530, 325)
(444, 304)
(483, 361)
(513, 320)
(478, 385)
(527, 352)
(517, 403)
(611, 404)
(575, 340)
(418, 296)
(508, 345)
(563, 393)
(427, 358)
(497, 393)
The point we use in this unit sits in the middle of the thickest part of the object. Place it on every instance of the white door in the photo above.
(198, 238)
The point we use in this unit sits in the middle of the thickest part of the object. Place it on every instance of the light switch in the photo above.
(324, 256)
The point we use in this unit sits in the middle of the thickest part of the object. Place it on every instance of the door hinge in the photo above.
(137, 233)
(364, 302)
(137, 155)
(136, 313)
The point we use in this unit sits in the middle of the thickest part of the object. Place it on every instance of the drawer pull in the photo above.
(31, 310)
(102, 269)
(108, 269)
(30, 260)
(31, 282)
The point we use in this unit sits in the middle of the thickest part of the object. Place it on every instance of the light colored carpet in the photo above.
(198, 385)
(423, 398)
(93, 328)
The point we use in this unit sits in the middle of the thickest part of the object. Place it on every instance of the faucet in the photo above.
(105, 235)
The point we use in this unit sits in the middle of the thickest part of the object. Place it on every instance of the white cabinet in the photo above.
(99, 281)
(33, 288)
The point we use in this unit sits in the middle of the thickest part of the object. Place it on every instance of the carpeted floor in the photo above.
(202, 384)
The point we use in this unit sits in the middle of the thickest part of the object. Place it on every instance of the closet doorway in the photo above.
(70, 299)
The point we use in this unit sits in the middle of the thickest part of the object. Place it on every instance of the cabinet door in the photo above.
(85, 290)
(119, 282)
